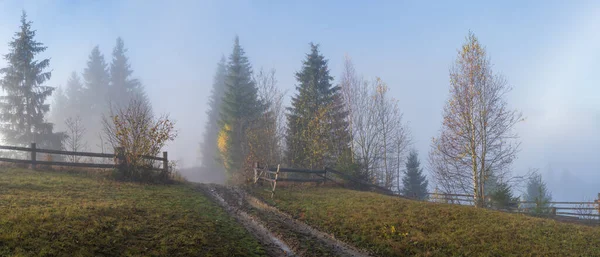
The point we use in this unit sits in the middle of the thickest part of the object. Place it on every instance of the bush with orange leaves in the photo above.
(139, 133)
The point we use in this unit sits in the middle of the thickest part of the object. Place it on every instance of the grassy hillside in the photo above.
(391, 226)
(57, 214)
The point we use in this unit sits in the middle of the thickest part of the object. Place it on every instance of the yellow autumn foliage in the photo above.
(222, 139)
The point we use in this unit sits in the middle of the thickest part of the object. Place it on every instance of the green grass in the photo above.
(391, 226)
(59, 214)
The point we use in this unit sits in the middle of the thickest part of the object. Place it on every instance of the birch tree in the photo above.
(266, 139)
(477, 139)
(379, 135)
(393, 137)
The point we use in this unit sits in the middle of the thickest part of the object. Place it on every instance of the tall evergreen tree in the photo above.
(208, 148)
(96, 93)
(317, 121)
(74, 92)
(58, 107)
(414, 182)
(68, 103)
(122, 86)
(23, 106)
(240, 109)
(96, 79)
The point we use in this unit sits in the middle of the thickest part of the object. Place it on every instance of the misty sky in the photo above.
(548, 50)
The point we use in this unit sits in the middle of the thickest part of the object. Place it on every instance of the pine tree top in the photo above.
(315, 88)
(96, 72)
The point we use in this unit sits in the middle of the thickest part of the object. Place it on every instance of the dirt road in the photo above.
(280, 234)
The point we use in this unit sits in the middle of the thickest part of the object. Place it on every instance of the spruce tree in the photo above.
(96, 79)
(58, 108)
(239, 111)
(318, 133)
(75, 95)
(208, 148)
(537, 192)
(68, 103)
(96, 94)
(22, 107)
(414, 182)
(122, 86)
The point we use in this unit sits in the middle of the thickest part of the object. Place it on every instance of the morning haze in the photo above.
(548, 51)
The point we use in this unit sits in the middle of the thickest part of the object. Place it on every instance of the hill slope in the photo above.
(58, 214)
(391, 226)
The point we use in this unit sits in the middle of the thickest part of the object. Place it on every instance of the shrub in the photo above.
(136, 132)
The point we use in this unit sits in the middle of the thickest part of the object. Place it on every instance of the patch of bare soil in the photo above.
(298, 237)
(273, 246)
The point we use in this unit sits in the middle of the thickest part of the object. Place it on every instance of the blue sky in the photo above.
(548, 50)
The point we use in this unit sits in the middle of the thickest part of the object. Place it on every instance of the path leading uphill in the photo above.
(279, 233)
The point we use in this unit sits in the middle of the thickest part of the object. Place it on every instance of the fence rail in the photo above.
(582, 209)
(272, 175)
(118, 158)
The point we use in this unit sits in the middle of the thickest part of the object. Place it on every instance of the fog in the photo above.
(548, 50)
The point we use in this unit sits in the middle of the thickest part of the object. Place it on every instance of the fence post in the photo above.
(275, 182)
(325, 176)
(165, 164)
(33, 156)
(120, 160)
(553, 211)
(255, 172)
(598, 201)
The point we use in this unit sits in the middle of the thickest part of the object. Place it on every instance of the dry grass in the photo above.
(391, 226)
(61, 214)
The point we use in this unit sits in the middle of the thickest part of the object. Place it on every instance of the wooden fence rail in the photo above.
(118, 158)
(582, 209)
(272, 175)
(554, 208)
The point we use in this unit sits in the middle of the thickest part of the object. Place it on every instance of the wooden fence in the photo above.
(272, 175)
(579, 210)
(117, 157)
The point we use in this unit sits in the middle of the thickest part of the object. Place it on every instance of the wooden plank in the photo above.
(578, 214)
(532, 202)
(574, 209)
(86, 154)
(150, 157)
(267, 179)
(355, 180)
(15, 148)
(15, 160)
(297, 170)
(299, 180)
(77, 164)
(61, 152)
(591, 203)
(462, 195)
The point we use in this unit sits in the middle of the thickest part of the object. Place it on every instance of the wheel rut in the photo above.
(280, 234)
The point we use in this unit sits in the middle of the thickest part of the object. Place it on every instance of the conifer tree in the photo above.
(208, 148)
(414, 181)
(22, 107)
(68, 103)
(75, 95)
(318, 133)
(239, 112)
(123, 87)
(58, 107)
(96, 79)
(537, 192)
